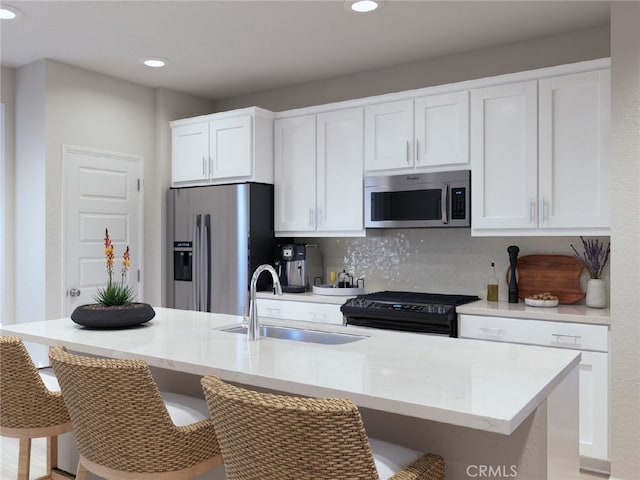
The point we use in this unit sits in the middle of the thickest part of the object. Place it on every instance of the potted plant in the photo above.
(115, 307)
(596, 257)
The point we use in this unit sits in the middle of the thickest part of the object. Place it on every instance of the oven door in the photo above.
(394, 206)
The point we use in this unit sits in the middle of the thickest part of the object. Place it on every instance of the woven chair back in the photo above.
(119, 417)
(268, 437)
(25, 402)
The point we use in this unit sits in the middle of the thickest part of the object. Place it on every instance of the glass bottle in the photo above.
(492, 285)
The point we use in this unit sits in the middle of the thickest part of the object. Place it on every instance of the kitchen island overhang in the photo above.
(442, 383)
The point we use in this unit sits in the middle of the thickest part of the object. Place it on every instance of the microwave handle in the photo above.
(445, 196)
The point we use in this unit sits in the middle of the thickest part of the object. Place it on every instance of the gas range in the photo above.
(429, 313)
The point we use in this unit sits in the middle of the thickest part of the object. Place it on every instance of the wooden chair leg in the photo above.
(52, 453)
(81, 474)
(24, 458)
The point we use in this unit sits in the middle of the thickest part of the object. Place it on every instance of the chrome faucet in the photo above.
(253, 330)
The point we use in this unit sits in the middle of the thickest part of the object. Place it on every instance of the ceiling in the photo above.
(220, 49)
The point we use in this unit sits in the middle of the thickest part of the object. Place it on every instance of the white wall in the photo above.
(543, 52)
(170, 105)
(7, 192)
(625, 237)
(88, 109)
(30, 189)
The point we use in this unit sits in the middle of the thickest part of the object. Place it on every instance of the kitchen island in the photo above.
(507, 409)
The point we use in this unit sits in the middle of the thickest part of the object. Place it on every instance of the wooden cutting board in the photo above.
(556, 274)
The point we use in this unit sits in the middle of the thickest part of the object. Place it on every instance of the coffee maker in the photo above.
(299, 267)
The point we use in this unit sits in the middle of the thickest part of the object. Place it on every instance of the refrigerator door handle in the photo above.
(195, 284)
(206, 263)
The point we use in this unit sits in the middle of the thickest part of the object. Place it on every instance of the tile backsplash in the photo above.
(432, 260)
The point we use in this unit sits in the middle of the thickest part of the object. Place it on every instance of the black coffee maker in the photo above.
(299, 266)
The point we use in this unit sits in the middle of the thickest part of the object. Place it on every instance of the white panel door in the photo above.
(295, 174)
(388, 136)
(504, 156)
(340, 171)
(594, 405)
(190, 152)
(442, 130)
(231, 147)
(574, 150)
(101, 191)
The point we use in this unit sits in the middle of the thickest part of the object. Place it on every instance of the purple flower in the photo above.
(595, 256)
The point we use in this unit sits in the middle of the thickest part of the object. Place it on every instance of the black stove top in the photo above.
(432, 313)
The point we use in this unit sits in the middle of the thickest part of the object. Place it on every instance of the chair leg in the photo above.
(81, 474)
(24, 458)
(52, 453)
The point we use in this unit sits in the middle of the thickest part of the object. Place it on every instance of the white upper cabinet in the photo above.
(423, 133)
(574, 150)
(388, 136)
(222, 148)
(230, 147)
(442, 130)
(540, 156)
(189, 152)
(319, 174)
(295, 174)
(339, 168)
(504, 177)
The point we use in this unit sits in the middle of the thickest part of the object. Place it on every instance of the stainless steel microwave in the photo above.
(440, 199)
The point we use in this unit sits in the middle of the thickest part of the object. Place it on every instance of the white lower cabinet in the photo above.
(300, 311)
(590, 340)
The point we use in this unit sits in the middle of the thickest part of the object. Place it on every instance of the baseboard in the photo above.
(596, 465)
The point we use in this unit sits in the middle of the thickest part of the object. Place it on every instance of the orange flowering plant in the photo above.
(115, 293)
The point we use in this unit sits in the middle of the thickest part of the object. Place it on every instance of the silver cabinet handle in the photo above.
(417, 151)
(568, 340)
(311, 217)
(408, 154)
(494, 333)
(204, 173)
(74, 292)
(545, 210)
(318, 217)
(532, 210)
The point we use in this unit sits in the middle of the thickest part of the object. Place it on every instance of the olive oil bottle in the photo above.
(492, 284)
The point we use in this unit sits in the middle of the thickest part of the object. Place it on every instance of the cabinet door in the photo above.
(442, 130)
(295, 174)
(190, 153)
(339, 171)
(594, 406)
(574, 150)
(504, 156)
(231, 147)
(388, 136)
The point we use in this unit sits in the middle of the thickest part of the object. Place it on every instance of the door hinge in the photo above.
(138, 184)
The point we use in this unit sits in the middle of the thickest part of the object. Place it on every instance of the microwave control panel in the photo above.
(458, 203)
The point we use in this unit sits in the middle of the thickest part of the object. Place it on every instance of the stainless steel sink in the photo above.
(300, 335)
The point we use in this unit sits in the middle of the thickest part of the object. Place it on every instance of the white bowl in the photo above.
(541, 303)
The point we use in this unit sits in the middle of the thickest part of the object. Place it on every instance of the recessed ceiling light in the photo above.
(7, 12)
(363, 6)
(154, 62)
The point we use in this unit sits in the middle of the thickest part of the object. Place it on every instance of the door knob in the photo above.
(74, 292)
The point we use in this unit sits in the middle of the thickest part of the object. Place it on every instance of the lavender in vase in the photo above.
(595, 256)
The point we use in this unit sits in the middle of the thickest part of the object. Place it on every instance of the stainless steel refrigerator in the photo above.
(218, 235)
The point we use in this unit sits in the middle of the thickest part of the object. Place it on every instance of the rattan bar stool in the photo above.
(28, 406)
(124, 430)
(276, 437)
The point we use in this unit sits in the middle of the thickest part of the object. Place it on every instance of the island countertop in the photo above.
(480, 385)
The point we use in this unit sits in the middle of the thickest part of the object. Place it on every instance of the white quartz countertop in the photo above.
(561, 313)
(481, 385)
